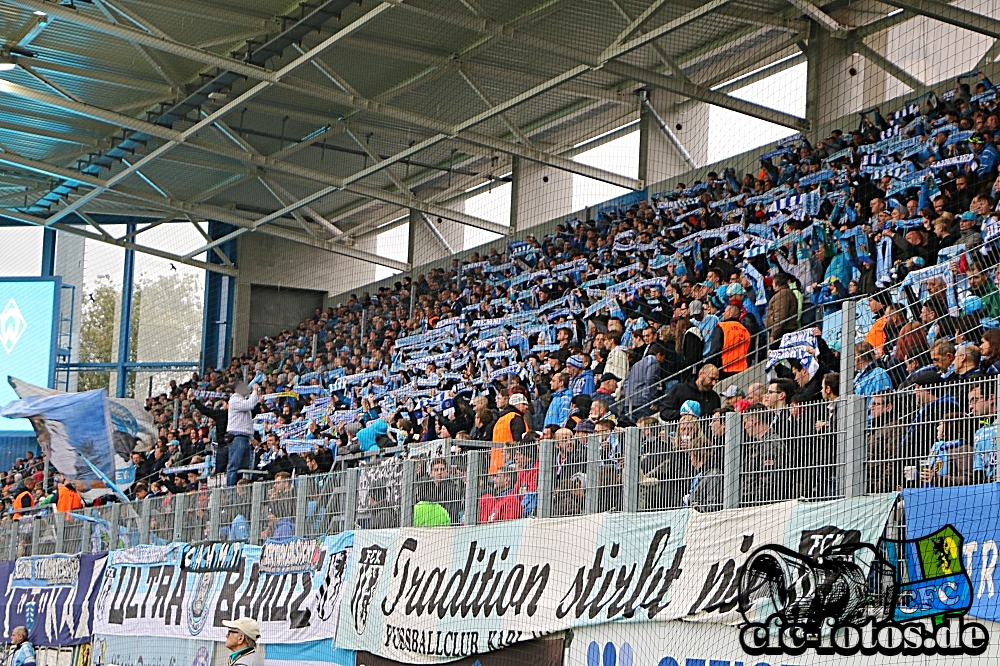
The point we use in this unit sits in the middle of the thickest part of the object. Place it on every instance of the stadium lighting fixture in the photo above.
(39, 12)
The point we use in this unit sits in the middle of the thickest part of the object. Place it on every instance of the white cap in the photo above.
(246, 626)
(518, 399)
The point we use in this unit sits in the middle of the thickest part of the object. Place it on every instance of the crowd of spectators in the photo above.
(633, 317)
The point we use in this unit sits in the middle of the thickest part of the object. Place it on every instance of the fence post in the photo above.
(592, 491)
(180, 501)
(732, 461)
(60, 526)
(848, 331)
(471, 510)
(36, 534)
(144, 520)
(86, 532)
(852, 450)
(351, 498)
(302, 489)
(114, 523)
(546, 477)
(256, 512)
(630, 475)
(12, 542)
(215, 513)
(406, 494)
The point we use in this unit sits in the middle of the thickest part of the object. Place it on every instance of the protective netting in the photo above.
(604, 332)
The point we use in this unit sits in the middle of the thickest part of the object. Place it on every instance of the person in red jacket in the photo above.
(503, 503)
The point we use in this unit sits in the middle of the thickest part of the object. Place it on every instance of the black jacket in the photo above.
(220, 416)
(680, 393)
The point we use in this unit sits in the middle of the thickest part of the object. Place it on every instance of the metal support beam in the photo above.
(48, 253)
(707, 95)
(881, 24)
(639, 20)
(218, 114)
(206, 212)
(670, 135)
(961, 18)
(888, 66)
(621, 47)
(125, 321)
(760, 75)
(127, 245)
(137, 36)
(437, 234)
(821, 17)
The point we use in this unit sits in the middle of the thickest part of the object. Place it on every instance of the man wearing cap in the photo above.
(617, 362)
(987, 157)
(733, 395)
(969, 235)
(705, 323)
(607, 386)
(582, 382)
(241, 639)
(510, 426)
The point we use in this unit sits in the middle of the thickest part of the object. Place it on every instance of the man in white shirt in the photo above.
(240, 428)
(617, 363)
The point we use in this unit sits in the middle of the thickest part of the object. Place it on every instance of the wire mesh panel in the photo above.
(379, 493)
(235, 511)
(277, 519)
(73, 535)
(161, 519)
(439, 488)
(791, 452)
(681, 464)
(196, 516)
(570, 479)
(933, 434)
(325, 503)
(44, 539)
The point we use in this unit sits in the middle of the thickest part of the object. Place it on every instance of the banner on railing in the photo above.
(180, 590)
(150, 651)
(314, 653)
(52, 596)
(423, 595)
(966, 509)
(539, 652)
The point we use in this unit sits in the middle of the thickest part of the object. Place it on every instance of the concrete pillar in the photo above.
(70, 252)
(540, 193)
(671, 141)
(267, 260)
(876, 80)
(835, 84)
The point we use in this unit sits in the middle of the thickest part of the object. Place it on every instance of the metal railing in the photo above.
(817, 451)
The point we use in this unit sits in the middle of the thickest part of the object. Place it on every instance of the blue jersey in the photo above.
(985, 456)
(24, 655)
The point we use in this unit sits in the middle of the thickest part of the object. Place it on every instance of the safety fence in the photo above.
(926, 436)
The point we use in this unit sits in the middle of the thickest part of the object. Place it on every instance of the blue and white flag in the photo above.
(71, 427)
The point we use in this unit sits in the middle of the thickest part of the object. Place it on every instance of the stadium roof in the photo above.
(319, 121)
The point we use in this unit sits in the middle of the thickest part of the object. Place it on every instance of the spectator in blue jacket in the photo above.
(24, 651)
(558, 411)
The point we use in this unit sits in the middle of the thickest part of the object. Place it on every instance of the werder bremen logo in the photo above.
(12, 326)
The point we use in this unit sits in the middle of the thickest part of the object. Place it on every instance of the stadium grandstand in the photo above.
(299, 281)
